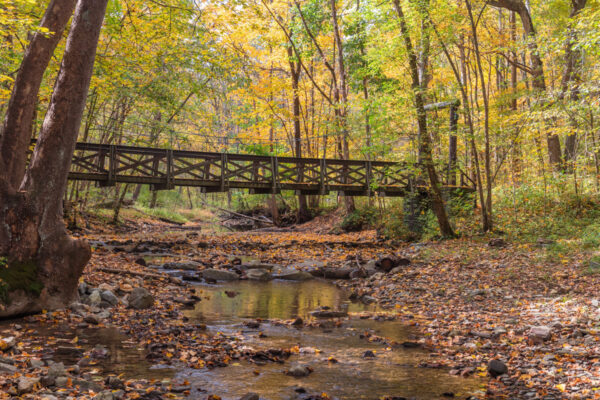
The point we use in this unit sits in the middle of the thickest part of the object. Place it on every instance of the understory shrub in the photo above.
(360, 219)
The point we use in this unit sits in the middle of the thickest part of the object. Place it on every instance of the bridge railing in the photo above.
(218, 172)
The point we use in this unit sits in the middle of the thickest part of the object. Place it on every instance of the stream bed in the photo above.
(392, 372)
(229, 307)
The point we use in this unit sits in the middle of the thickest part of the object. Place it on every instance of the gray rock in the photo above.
(105, 395)
(49, 397)
(8, 368)
(57, 369)
(258, 275)
(290, 274)
(368, 354)
(250, 396)
(328, 314)
(309, 264)
(184, 300)
(8, 343)
(82, 288)
(540, 333)
(140, 298)
(114, 382)
(298, 371)
(183, 265)
(25, 384)
(95, 298)
(371, 267)
(36, 363)
(91, 319)
(87, 385)
(7, 360)
(258, 265)
(219, 275)
(78, 308)
(497, 368)
(61, 382)
(109, 297)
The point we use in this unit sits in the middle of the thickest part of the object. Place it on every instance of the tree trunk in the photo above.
(571, 80)
(303, 214)
(437, 202)
(537, 67)
(17, 128)
(42, 264)
(485, 93)
(342, 97)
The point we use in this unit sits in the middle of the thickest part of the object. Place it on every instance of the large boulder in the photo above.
(219, 275)
(290, 274)
(140, 298)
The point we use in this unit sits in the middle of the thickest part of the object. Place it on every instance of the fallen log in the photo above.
(117, 271)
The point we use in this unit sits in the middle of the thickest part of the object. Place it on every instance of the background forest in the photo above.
(346, 79)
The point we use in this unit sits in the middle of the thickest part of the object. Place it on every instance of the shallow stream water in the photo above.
(391, 373)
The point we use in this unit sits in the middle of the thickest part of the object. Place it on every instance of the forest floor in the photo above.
(472, 300)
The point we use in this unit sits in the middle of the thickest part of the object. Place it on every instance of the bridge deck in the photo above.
(218, 172)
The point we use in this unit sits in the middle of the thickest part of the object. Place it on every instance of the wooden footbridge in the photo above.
(164, 169)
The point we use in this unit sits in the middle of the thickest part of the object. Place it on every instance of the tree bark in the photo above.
(571, 79)
(303, 214)
(17, 127)
(42, 264)
(537, 67)
(437, 201)
(341, 97)
(486, 107)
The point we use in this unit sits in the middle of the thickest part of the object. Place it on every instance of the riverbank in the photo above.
(468, 302)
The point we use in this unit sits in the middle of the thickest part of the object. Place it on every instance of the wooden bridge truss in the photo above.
(164, 169)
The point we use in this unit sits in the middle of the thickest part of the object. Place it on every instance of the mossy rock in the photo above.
(18, 276)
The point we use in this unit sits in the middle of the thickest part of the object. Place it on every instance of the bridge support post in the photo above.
(169, 174)
(274, 173)
(112, 165)
(368, 177)
(322, 174)
(224, 172)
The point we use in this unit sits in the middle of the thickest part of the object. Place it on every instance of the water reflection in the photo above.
(391, 373)
(267, 300)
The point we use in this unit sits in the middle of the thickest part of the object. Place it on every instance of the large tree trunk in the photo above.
(17, 127)
(42, 264)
